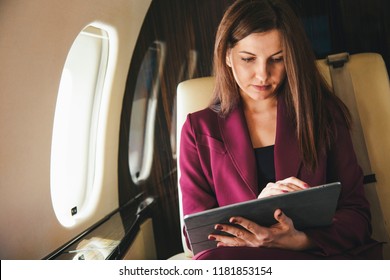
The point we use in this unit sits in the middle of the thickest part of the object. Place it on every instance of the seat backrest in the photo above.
(192, 95)
(370, 82)
(372, 92)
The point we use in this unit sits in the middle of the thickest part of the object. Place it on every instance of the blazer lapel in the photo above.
(287, 157)
(237, 141)
(236, 137)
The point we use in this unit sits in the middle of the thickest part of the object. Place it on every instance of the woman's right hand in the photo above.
(280, 235)
(290, 184)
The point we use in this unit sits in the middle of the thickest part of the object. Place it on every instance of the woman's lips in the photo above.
(262, 87)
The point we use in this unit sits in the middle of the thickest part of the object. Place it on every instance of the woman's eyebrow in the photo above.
(249, 53)
(245, 52)
(279, 52)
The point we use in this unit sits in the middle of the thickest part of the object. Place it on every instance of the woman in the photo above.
(273, 127)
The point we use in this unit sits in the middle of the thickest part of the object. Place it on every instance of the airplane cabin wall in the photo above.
(187, 30)
(35, 39)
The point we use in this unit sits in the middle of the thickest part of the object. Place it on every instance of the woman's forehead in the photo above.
(269, 43)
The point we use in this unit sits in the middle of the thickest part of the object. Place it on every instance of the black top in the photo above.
(265, 166)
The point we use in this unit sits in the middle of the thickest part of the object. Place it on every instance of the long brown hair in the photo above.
(305, 91)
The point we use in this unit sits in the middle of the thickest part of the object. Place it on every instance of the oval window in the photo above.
(73, 156)
(143, 113)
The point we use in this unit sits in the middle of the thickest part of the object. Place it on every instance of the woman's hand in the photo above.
(281, 235)
(284, 186)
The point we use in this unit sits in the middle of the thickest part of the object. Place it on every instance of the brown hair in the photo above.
(304, 90)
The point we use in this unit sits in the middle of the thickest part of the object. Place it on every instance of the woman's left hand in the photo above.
(280, 235)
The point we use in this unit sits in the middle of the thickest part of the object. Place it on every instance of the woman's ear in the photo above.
(228, 62)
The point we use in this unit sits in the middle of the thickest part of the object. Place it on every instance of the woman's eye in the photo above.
(277, 59)
(247, 59)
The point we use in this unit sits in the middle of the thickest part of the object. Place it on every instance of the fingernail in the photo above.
(218, 227)
(306, 186)
(280, 214)
(211, 238)
(233, 220)
(284, 191)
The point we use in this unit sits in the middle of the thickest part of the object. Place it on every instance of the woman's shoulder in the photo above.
(205, 115)
(203, 121)
(338, 112)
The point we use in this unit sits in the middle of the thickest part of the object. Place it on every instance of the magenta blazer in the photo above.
(218, 167)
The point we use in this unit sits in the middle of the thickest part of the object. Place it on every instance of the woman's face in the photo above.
(257, 65)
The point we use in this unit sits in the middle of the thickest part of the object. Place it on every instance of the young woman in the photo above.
(273, 127)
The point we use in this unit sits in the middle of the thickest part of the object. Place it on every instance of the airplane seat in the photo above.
(192, 95)
(369, 82)
(362, 82)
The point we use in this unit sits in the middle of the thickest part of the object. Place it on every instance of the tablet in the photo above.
(312, 207)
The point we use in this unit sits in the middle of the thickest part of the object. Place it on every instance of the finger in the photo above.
(234, 231)
(248, 225)
(230, 241)
(273, 189)
(278, 215)
(221, 244)
(296, 182)
(288, 187)
(282, 218)
(290, 184)
(239, 236)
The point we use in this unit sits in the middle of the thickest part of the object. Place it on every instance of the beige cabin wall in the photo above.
(34, 42)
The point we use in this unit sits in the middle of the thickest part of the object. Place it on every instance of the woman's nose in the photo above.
(262, 71)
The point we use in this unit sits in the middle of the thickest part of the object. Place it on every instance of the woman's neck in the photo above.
(259, 106)
(261, 120)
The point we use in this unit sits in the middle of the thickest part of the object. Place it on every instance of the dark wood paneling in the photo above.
(183, 26)
(353, 26)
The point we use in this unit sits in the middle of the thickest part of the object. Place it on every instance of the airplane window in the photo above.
(143, 113)
(76, 124)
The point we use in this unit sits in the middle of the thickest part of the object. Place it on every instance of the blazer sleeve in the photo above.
(197, 193)
(351, 228)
